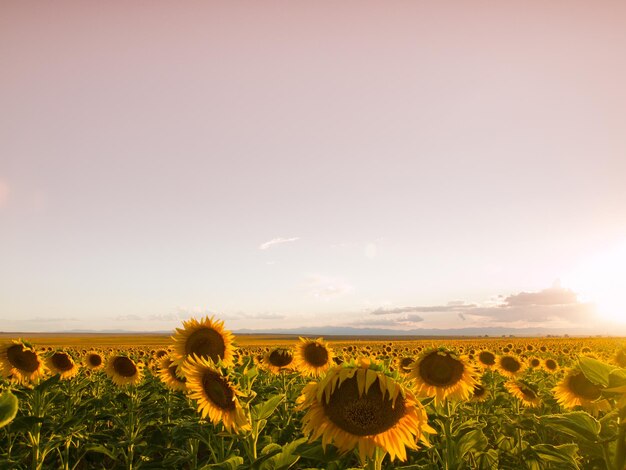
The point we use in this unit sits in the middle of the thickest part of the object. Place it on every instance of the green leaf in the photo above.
(100, 449)
(472, 441)
(577, 424)
(232, 463)
(266, 409)
(8, 408)
(596, 371)
(286, 459)
(565, 454)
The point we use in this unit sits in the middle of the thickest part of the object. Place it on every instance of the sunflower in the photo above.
(123, 370)
(534, 362)
(359, 406)
(312, 357)
(93, 360)
(216, 396)
(486, 359)
(509, 366)
(169, 374)
(479, 393)
(206, 338)
(62, 363)
(620, 357)
(550, 365)
(523, 391)
(404, 364)
(20, 362)
(278, 359)
(576, 390)
(442, 374)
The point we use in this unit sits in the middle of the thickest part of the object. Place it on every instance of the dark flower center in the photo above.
(365, 415)
(207, 343)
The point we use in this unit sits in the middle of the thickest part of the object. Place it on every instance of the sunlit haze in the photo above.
(405, 165)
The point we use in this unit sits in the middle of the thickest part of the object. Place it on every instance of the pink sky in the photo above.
(395, 155)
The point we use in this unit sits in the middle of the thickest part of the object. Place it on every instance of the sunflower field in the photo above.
(204, 402)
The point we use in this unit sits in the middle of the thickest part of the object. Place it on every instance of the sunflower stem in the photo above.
(620, 452)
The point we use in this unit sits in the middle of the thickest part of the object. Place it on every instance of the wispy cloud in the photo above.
(325, 288)
(454, 306)
(277, 241)
(548, 306)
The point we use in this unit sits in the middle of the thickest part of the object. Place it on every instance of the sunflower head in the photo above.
(404, 364)
(278, 359)
(20, 362)
(170, 374)
(509, 365)
(216, 396)
(550, 365)
(534, 362)
(62, 363)
(93, 360)
(479, 393)
(312, 357)
(358, 406)
(441, 374)
(206, 339)
(123, 370)
(486, 359)
(524, 391)
(575, 389)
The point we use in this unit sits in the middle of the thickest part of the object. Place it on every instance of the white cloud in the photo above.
(277, 241)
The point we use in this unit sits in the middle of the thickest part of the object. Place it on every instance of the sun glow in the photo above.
(601, 280)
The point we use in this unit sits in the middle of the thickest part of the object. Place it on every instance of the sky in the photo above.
(282, 164)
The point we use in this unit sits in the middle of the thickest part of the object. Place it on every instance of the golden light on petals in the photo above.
(278, 359)
(359, 407)
(123, 370)
(93, 360)
(216, 396)
(509, 366)
(171, 375)
(312, 357)
(62, 363)
(442, 374)
(20, 362)
(575, 390)
(206, 339)
(521, 390)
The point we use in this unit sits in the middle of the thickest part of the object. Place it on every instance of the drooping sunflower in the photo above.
(206, 338)
(123, 370)
(312, 357)
(523, 391)
(278, 360)
(360, 406)
(486, 359)
(216, 396)
(93, 360)
(576, 390)
(63, 364)
(20, 362)
(442, 374)
(169, 375)
(509, 366)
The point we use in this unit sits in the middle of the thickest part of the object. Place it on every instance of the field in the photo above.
(206, 399)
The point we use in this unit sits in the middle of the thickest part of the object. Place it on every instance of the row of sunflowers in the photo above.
(205, 403)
